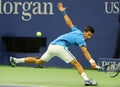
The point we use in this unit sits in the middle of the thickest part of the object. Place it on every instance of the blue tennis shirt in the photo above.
(73, 38)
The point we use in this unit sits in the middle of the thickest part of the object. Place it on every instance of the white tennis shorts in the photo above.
(59, 51)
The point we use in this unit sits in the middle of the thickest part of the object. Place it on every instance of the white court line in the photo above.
(9, 85)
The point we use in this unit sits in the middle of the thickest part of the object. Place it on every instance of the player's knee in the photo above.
(39, 61)
(74, 62)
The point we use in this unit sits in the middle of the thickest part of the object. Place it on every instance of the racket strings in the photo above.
(112, 70)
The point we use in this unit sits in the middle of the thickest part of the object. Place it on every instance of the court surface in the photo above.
(51, 77)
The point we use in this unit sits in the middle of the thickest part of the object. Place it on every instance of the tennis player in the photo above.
(59, 47)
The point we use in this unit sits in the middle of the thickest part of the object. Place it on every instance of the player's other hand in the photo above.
(94, 65)
(61, 7)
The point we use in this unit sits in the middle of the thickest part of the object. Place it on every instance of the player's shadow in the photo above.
(53, 83)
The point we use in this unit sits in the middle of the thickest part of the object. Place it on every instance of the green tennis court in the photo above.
(51, 77)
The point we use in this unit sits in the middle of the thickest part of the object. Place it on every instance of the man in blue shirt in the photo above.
(74, 38)
(59, 47)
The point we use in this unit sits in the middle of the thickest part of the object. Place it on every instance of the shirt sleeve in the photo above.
(74, 28)
(81, 42)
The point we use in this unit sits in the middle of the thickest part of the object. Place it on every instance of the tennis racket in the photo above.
(111, 69)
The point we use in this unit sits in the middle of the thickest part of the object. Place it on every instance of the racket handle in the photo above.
(98, 67)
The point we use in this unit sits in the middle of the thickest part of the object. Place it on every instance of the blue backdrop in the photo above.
(24, 18)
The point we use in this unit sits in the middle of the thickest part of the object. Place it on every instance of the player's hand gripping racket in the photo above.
(111, 69)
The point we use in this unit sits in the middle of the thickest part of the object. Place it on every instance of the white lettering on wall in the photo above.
(112, 7)
(27, 9)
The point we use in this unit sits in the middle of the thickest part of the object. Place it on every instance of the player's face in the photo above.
(87, 35)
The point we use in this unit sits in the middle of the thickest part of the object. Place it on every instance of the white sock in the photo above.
(21, 60)
(84, 76)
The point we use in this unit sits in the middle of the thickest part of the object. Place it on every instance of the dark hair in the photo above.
(89, 28)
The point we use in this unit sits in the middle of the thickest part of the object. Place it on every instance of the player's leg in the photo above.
(45, 58)
(67, 56)
(80, 70)
(34, 60)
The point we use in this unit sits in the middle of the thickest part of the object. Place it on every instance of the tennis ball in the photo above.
(38, 34)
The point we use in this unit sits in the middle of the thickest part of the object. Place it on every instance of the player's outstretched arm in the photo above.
(88, 57)
(66, 17)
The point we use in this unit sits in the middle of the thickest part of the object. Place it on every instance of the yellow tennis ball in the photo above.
(38, 34)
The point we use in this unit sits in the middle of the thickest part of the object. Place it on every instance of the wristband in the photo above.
(64, 13)
(91, 61)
